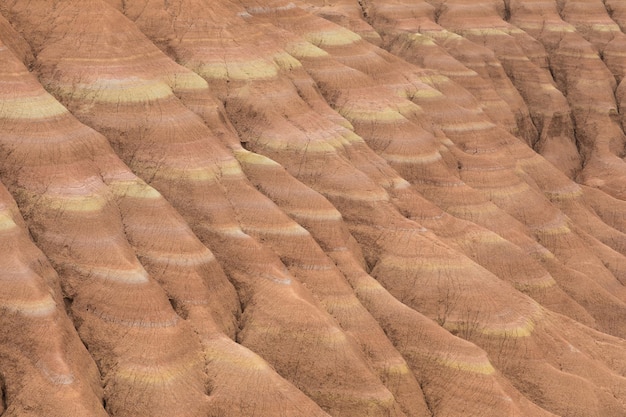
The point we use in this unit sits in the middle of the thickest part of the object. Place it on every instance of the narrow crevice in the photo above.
(552, 72)
(507, 11)
(561, 86)
(28, 61)
(370, 264)
(560, 7)
(178, 308)
(519, 122)
(427, 401)
(208, 385)
(240, 320)
(364, 12)
(3, 396)
(239, 315)
(67, 303)
(579, 149)
(439, 11)
(76, 321)
(609, 10)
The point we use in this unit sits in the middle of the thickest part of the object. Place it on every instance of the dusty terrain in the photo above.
(372, 208)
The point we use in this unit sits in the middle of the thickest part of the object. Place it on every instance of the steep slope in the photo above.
(372, 208)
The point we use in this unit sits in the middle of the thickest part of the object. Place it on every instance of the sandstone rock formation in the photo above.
(401, 208)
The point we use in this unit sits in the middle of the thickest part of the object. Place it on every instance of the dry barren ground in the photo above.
(372, 208)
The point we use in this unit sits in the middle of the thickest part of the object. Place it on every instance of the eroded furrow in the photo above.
(349, 208)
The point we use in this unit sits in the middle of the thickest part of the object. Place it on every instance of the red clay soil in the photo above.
(373, 208)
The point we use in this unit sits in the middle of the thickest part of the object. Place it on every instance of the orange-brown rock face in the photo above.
(382, 208)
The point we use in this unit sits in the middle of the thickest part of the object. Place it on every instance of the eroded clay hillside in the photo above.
(372, 208)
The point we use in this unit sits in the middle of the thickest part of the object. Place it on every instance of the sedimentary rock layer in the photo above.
(351, 208)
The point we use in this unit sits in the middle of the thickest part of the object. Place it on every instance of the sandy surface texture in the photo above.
(312, 208)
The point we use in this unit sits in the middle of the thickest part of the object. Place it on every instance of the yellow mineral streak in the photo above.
(6, 221)
(230, 355)
(400, 183)
(180, 258)
(425, 93)
(605, 27)
(547, 86)
(256, 69)
(187, 81)
(420, 39)
(74, 203)
(230, 168)
(247, 157)
(332, 336)
(286, 62)
(41, 106)
(127, 276)
(134, 189)
(231, 231)
(549, 26)
(337, 37)
(343, 123)
(350, 138)
(447, 142)
(442, 35)
(305, 49)
(155, 374)
(315, 214)
(118, 90)
(386, 115)
(483, 367)
(367, 285)
(620, 54)
(461, 73)
(356, 195)
(467, 127)
(32, 308)
(397, 369)
(293, 229)
(329, 145)
(541, 253)
(485, 31)
(522, 327)
(11, 75)
(553, 229)
(413, 159)
(341, 141)
(376, 400)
